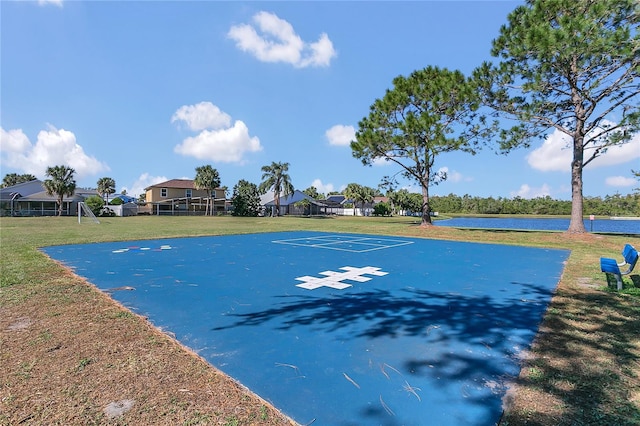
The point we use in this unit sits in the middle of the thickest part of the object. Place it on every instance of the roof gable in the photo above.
(23, 189)
(175, 183)
(269, 200)
(44, 196)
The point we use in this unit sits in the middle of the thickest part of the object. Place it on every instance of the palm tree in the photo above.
(401, 199)
(14, 179)
(312, 192)
(361, 194)
(207, 178)
(303, 204)
(350, 192)
(366, 196)
(275, 177)
(60, 184)
(106, 186)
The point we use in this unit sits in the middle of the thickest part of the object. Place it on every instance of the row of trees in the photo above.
(405, 201)
(561, 65)
(611, 205)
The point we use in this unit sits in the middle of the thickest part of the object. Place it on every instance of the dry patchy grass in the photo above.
(68, 351)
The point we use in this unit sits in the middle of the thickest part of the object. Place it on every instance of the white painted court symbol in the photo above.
(334, 279)
(353, 244)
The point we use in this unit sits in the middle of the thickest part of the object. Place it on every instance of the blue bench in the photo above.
(611, 266)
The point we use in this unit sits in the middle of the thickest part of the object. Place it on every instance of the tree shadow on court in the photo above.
(501, 329)
(414, 312)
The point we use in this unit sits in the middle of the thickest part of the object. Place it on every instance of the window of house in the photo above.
(187, 193)
(163, 192)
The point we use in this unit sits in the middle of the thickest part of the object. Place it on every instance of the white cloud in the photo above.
(217, 141)
(619, 154)
(224, 145)
(278, 42)
(527, 191)
(620, 181)
(340, 135)
(144, 181)
(53, 147)
(555, 154)
(321, 53)
(204, 115)
(13, 141)
(322, 187)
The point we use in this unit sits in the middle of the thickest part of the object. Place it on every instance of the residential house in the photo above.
(335, 204)
(123, 205)
(180, 197)
(31, 199)
(338, 204)
(366, 209)
(291, 204)
(10, 194)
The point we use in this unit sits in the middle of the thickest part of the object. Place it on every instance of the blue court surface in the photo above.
(340, 329)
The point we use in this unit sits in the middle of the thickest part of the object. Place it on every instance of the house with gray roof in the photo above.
(292, 204)
(10, 194)
(31, 199)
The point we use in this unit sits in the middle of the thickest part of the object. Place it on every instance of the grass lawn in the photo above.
(67, 350)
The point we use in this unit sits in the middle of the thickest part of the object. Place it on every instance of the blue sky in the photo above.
(147, 91)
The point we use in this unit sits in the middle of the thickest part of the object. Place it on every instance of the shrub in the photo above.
(382, 209)
(95, 203)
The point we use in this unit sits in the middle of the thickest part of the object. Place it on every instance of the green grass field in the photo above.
(66, 349)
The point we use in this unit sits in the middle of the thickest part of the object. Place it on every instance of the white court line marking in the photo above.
(333, 242)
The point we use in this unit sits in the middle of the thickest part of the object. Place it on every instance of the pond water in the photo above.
(544, 224)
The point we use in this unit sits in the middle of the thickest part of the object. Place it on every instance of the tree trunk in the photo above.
(426, 208)
(576, 225)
